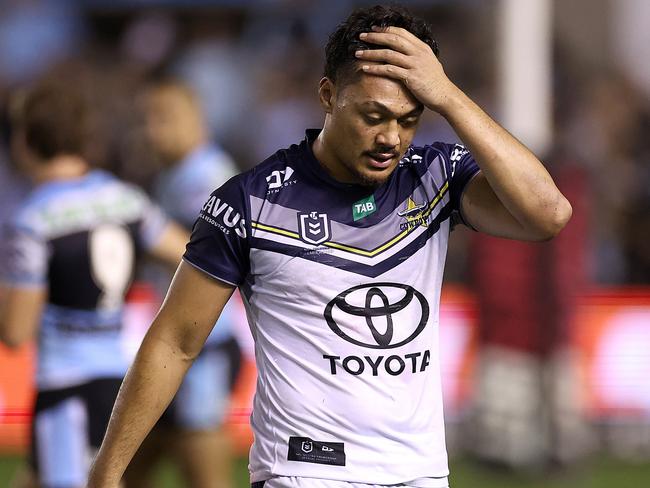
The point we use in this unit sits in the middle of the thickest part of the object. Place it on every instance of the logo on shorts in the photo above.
(355, 315)
(307, 446)
(314, 227)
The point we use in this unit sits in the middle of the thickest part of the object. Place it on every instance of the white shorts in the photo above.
(302, 482)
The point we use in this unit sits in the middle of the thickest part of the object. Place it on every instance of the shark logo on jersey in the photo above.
(314, 227)
(369, 304)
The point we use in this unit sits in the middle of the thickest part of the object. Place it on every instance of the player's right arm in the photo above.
(190, 310)
(170, 246)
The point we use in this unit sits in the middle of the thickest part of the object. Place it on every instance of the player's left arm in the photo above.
(20, 314)
(513, 196)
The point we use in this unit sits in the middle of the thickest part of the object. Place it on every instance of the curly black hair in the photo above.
(344, 41)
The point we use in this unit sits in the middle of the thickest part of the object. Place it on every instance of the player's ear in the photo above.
(326, 94)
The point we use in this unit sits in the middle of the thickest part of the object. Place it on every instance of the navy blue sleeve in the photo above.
(219, 243)
(461, 168)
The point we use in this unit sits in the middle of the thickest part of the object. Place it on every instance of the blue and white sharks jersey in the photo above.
(342, 289)
(181, 192)
(78, 239)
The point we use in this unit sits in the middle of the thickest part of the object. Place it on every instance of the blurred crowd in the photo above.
(255, 66)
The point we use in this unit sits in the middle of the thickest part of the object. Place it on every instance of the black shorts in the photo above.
(67, 428)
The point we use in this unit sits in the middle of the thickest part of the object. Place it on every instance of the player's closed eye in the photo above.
(409, 121)
(373, 119)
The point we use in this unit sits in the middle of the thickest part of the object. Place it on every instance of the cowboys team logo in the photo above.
(414, 215)
(314, 227)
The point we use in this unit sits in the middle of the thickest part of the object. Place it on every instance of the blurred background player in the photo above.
(528, 406)
(191, 168)
(71, 249)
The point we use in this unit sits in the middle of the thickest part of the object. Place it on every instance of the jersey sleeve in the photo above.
(460, 168)
(25, 257)
(219, 243)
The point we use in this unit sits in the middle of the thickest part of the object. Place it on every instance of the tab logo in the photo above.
(363, 208)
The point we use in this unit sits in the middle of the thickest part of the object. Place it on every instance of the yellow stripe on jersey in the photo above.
(355, 250)
(275, 230)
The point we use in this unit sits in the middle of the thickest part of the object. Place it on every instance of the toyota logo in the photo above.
(375, 304)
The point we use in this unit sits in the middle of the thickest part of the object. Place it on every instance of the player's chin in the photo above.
(374, 178)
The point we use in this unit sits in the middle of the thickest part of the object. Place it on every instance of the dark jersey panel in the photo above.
(69, 278)
(85, 266)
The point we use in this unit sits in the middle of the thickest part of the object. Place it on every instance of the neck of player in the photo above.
(65, 167)
(323, 153)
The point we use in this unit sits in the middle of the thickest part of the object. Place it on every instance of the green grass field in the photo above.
(600, 473)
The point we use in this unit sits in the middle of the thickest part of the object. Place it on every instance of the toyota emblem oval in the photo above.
(381, 300)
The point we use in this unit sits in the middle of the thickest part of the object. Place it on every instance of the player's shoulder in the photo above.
(128, 195)
(428, 153)
(436, 157)
(51, 205)
(206, 162)
(274, 170)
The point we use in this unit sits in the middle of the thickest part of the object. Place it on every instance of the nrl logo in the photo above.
(314, 227)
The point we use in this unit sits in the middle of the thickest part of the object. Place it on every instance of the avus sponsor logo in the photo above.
(224, 216)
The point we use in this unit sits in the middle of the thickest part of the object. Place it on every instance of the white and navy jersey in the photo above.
(78, 239)
(342, 289)
(181, 192)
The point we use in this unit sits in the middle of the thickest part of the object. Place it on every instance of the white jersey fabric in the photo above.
(342, 288)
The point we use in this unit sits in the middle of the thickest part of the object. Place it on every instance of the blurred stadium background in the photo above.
(546, 347)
